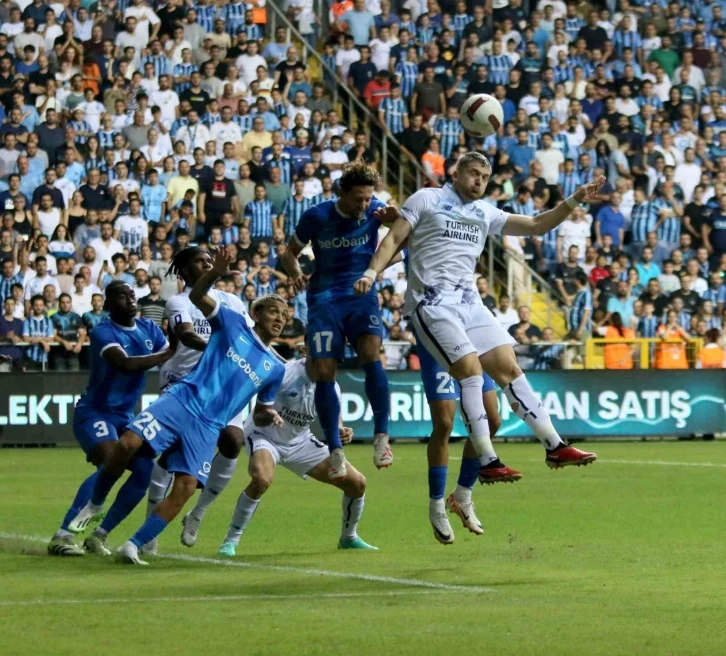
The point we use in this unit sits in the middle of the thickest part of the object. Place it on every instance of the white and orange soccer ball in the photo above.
(482, 115)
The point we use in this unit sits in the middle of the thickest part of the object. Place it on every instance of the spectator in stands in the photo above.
(397, 347)
(11, 333)
(610, 221)
(70, 335)
(533, 333)
(38, 332)
(482, 286)
(505, 313)
(566, 273)
(622, 303)
(292, 334)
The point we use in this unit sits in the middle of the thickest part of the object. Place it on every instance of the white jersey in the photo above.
(446, 240)
(295, 403)
(179, 309)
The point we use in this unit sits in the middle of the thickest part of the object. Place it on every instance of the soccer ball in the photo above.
(482, 115)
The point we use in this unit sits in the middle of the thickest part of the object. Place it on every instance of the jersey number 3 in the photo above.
(148, 426)
(323, 341)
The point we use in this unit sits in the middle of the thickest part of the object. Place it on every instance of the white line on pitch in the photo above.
(205, 599)
(415, 583)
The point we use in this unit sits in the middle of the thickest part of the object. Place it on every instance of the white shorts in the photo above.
(299, 457)
(449, 332)
(238, 420)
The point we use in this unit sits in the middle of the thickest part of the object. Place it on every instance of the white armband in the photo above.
(371, 273)
(571, 202)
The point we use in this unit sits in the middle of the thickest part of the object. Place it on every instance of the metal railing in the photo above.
(409, 175)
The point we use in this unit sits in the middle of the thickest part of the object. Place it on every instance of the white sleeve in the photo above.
(153, 18)
(418, 205)
(496, 219)
(177, 309)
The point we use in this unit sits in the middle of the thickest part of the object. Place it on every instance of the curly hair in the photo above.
(358, 174)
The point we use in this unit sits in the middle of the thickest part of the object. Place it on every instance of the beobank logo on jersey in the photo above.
(244, 365)
(343, 242)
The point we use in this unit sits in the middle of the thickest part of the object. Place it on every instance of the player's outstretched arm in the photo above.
(520, 225)
(129, 364)
(398, 233)
(292, 266)
(200, 292)
(266, 415)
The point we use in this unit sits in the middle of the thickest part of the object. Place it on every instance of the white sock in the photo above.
(475, 418)
(529, 409)
(436, 506)
(462, 494)
(100, 532)
(160, 483)
(243, 512)
(61, 534)
(219, 477)
(352, 511)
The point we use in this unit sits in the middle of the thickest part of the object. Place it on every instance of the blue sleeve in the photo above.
(268, 393)
(248, 211)
(306, 229)
(102, 337)
(219, 317)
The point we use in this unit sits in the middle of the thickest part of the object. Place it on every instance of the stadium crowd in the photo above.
(132, 129)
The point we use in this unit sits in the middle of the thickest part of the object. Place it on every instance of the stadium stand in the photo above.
(132, 129)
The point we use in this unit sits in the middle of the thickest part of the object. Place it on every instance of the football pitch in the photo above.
(623, 557)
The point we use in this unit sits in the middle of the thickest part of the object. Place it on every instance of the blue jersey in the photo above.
(235, 366)
(110, 390)
(152, 198)
(343, 248)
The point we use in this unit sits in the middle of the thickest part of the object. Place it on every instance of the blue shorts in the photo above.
(329, 324)
(187, 442)
(91, 427)
(438, 385)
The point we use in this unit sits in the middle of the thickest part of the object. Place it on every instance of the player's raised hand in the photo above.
(222, 260)
(363, 285)
(300, 283)
(589, 190)
(346, 435)
(386, 215)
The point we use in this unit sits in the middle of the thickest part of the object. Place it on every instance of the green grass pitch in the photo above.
(625, 557)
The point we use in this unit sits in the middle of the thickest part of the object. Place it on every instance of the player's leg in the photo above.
(364, 329)
(62, 543)
(129, 496)
(263, 458)
(326, 346)
(159, 486)
(442, 331)
(501, 364)
(460, 501)
(182, 490)
(231, 441)
(353, 486)
(113, 468)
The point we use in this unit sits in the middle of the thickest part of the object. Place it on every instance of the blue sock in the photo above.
(104, 483)
(378, 396)
(82, 498)
(437, 482)
(469, 472)
(130, 494)
(149, 530)
(328, 406)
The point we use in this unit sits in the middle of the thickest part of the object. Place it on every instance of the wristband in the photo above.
(371, 273)
(571, 202)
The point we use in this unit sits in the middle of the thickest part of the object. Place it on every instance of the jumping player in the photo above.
(446, 230)
(123, 348)
(294, 446)
(185, 421)
(190, 329)
(344, 234)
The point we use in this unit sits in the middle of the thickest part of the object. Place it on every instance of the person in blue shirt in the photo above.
(123, 348)
(344, 234)
(153, 197)
(184, 423)
(521, 154)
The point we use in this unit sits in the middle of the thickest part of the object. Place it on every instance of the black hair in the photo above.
(180, 260)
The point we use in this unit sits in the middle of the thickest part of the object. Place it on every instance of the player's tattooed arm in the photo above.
(398, 233)
(200, 292)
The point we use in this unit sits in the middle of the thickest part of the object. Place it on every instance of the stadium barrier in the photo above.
(652, 353)
(37, 409)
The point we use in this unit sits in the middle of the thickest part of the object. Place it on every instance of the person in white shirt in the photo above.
(92, 109)
(297, 107)
(335, 159)
(225, 131)
(147, 19)
(346, 56)
(14, 26)
(141, 288)
(36, 283)
(194, 134)
(574, 231)
(688, 174)
(131, 36)
(81, 296)
(450, 320)
(381, 49)
(49, 217)
(106, 246)
(155, 152)
(248, 62)
(166, 99)
(130, 229)
(550, 158)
